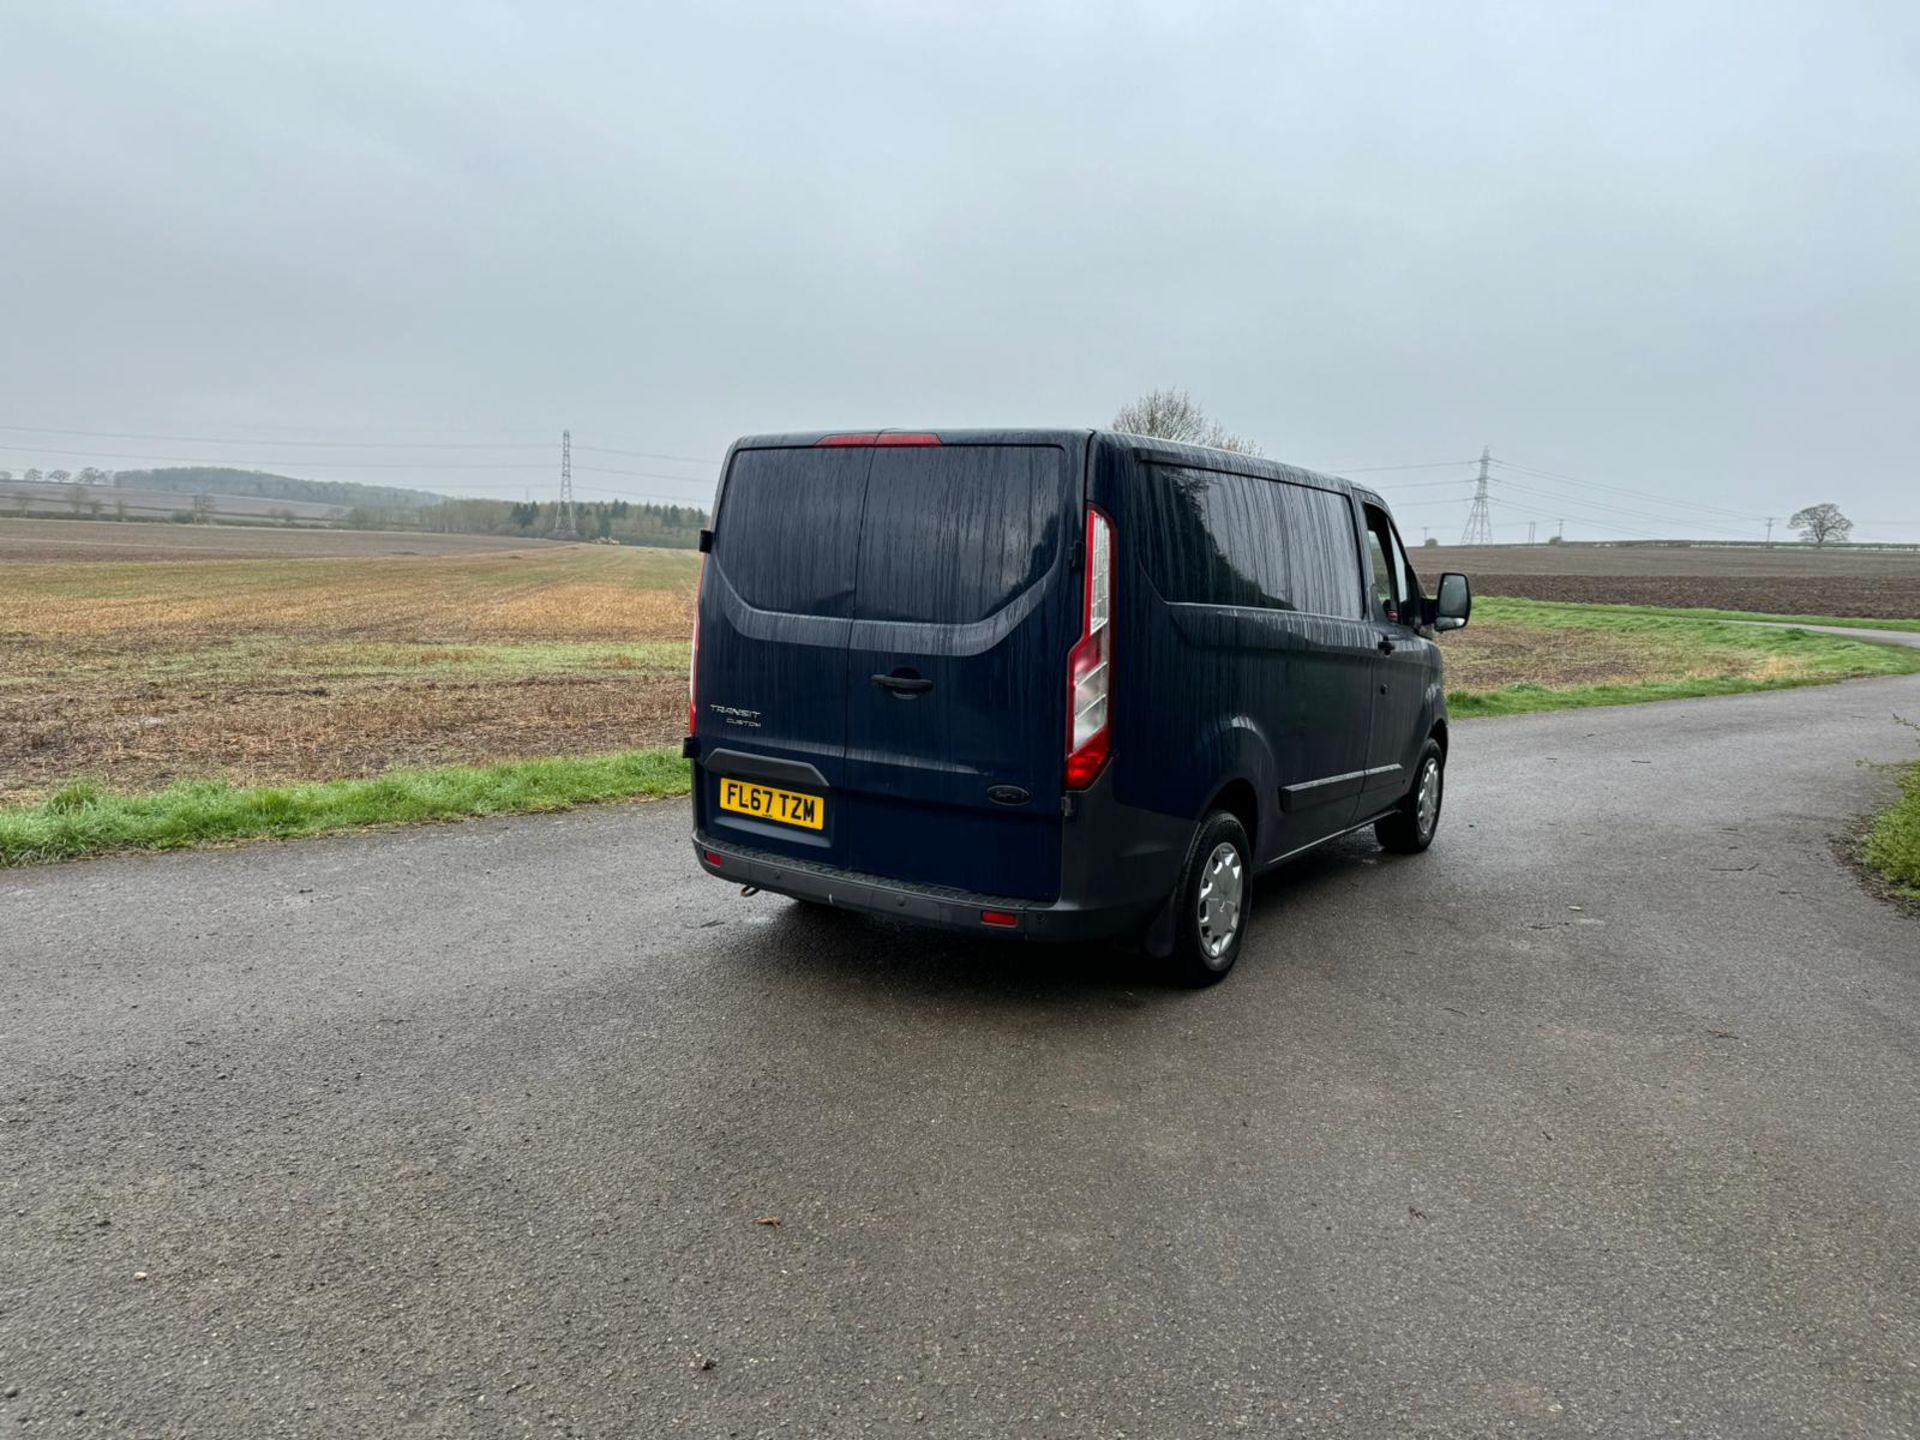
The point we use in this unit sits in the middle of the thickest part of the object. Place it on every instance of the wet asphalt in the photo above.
(1602, 1118)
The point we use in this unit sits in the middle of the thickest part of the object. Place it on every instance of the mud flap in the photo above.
(1158, 940)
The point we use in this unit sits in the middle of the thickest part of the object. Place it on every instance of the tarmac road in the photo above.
(1603, 1118)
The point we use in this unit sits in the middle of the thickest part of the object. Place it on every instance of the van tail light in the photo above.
(1090, 663)
(693, 658)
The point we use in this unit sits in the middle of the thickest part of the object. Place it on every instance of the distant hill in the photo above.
(219, 480)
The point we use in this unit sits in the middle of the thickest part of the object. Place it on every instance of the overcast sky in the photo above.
(1667, 248)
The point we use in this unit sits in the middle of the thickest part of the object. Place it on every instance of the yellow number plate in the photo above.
(763, 802)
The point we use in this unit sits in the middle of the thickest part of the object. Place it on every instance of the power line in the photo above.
(1618, 509)
(643, 474)
(315, 444)
(1425, 484)
(220, 461)
(645, 455)
(1376, 469)
(1607, 522)
(1622, 490)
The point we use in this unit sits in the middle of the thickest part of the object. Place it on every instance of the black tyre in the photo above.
(1211, 903)
(1414, 822)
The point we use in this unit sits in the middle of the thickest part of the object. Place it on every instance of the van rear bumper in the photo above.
(936, 905)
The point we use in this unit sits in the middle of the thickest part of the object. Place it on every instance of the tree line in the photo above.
(90, 493)
(622, 522)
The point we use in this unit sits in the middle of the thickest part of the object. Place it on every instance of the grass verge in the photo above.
(1893, 844)
(1845, 622)
(1662, 656)
(82, 818)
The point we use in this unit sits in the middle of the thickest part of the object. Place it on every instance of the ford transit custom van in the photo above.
(1054, 684)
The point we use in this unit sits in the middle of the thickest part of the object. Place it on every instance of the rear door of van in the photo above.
(776, 608)
(895, 618)
(956, 666)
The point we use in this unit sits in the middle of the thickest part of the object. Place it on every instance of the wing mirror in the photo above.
(1453, 606)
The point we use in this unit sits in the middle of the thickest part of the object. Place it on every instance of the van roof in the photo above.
(1146, 446)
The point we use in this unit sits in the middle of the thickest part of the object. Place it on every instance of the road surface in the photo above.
(1603, 1118)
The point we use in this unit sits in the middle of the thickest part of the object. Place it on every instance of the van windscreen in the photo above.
(944, 534)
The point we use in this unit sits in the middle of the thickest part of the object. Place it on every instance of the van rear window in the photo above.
(788, 531)
(934, 534)
(955, 532)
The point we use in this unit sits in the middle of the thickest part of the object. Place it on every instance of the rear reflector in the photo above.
(713, 857)
(885, 437)
(999, 917)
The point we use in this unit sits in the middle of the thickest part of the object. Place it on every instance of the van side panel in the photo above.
(1251, 690)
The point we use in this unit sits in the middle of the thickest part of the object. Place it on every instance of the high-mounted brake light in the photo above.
(883, 437)
(1090, 663)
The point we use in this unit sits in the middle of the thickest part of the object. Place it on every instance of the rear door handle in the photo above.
(903, 684)
(1386, 644)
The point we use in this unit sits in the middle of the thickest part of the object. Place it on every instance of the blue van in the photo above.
(1056, 684)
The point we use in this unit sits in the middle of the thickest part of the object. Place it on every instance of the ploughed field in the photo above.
(1788, 579)
(136, 655)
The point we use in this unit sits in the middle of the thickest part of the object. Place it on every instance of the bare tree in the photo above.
(1176, 415)
(59, 477)
(203, 510)
(1821, 523)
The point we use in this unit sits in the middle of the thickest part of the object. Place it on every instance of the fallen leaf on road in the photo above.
(773, 1220)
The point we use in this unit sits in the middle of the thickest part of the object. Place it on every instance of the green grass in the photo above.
(1846, 622)
(1798, 657)
(1528, 699)
(1893, 845)
(82, 818)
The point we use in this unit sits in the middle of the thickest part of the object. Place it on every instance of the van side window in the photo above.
(1214, 538)
(1217, 539)
(1325, 566)
(1410, 582)
(1393, 584)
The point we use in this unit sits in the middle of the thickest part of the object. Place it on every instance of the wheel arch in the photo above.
(1239, 799)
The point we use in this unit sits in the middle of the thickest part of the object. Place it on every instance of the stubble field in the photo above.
(273, 656)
